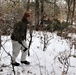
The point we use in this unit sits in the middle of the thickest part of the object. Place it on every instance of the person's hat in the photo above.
(26, 14)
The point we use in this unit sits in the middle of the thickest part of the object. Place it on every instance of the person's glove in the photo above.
(25, 49)
(19, 41)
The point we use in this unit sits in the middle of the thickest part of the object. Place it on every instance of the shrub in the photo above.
(65, 25)
(56, 25)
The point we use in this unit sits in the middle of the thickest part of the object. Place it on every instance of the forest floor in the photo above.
(59, 57)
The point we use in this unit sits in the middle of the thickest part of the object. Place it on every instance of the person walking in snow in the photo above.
(19, 40)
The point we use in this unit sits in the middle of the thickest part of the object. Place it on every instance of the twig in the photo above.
(11, 58)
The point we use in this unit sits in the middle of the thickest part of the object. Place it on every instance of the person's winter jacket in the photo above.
(20, 30)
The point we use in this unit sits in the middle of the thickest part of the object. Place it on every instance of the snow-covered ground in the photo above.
(54, 60)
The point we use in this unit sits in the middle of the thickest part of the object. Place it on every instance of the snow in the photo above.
(41, 62)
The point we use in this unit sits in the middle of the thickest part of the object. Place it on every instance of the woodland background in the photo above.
(13, 10)
(64, 11)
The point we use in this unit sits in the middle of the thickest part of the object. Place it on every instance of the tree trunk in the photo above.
(0, 22)
(54, 8)
(69, 2)
(37, 14)
(68, 11)
(0, 42)
(73, 11)
(42, 11)
(28, 3)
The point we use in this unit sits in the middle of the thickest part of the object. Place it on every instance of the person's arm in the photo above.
(25, 30)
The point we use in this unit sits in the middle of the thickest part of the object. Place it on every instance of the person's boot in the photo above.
(15, 63)
(25, 62)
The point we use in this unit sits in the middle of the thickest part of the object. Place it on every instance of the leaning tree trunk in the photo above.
(37, 14)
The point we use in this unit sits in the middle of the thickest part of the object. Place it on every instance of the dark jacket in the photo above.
(20, 30)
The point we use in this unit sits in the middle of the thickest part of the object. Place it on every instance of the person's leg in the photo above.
(24, 54)
(16, 49)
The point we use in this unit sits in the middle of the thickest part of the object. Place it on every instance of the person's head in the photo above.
(27, 16)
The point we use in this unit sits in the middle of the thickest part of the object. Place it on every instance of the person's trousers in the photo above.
(16, 49)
